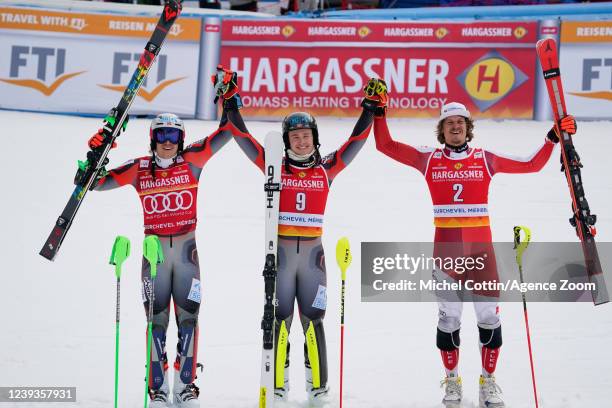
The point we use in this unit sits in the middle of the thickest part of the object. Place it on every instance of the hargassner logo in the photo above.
(490, 79)
(47, 65)
(123, 66)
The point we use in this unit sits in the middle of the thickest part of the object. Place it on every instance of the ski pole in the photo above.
(343, 258)
(520, 247)
(121, 251)
(153, 253)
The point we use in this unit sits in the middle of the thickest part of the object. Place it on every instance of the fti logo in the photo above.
(490, 79)
(47, 65)
(595, 83)
(123, 67)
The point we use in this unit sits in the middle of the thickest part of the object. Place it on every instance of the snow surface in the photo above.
(58, 322)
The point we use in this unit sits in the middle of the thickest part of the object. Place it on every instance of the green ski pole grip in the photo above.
(153, 252)
(121, 251)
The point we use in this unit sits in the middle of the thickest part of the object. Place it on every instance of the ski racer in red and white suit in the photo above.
(306, 180)
(167, 184)
(458, 177)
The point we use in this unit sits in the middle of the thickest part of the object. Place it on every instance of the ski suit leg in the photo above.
(490, 334)
(186, 292)
(450, 304)
(285, 294)
(450, 308)
(487, 311)
(161, 315)
(312, 303)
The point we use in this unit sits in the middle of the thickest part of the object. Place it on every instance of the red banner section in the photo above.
(333, 31)
(322, 67)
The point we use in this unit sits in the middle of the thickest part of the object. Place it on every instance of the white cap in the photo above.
(452, 109)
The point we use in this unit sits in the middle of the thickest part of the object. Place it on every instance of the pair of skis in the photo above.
(114, 122)
(582, 219)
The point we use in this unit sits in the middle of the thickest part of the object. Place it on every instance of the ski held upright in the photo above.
(112, 126)
(582, 219)
(274, 149)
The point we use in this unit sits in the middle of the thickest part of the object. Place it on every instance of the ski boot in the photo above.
(317, 397)
(185, 395)
(282, 394)
(160, 397)
(490, 393)
(452, 392)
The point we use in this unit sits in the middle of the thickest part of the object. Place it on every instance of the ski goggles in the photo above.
(163, 135)
(299, 122)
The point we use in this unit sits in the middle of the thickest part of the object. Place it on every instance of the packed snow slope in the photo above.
(58, 318)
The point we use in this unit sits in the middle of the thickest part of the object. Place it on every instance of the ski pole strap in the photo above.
(121, 251)
(153, 252)
(521, 246)
(343, 255)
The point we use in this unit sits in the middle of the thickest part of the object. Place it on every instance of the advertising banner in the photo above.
(586, 66)
(77, 62)
(322, 67)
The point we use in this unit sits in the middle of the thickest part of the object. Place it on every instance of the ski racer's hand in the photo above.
(567, 124)
(83, 169)
(376, 97)
(97, 140)
(225, 82)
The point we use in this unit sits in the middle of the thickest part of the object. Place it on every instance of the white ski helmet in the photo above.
(454, 109)
(165, 121)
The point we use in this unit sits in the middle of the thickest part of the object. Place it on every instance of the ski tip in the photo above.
(546, 45)
(274, 137)
(49, 255)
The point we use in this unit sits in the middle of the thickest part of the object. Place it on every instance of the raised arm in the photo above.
(374, 104)
(337, 161)
(198, 153)
(226, 84)
(498, 163)
(126, 174)
(403, 153)
(107, 180)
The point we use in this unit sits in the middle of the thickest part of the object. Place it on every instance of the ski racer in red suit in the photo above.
(458, 178)
(167, 184)
(306, 180)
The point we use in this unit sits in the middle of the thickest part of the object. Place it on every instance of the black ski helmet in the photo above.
(167, 120)
(300, 120)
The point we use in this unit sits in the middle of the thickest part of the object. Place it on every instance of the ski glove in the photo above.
(567, 124)
(83, 169)
(97, 140)
(225, 82)
(376, 97)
